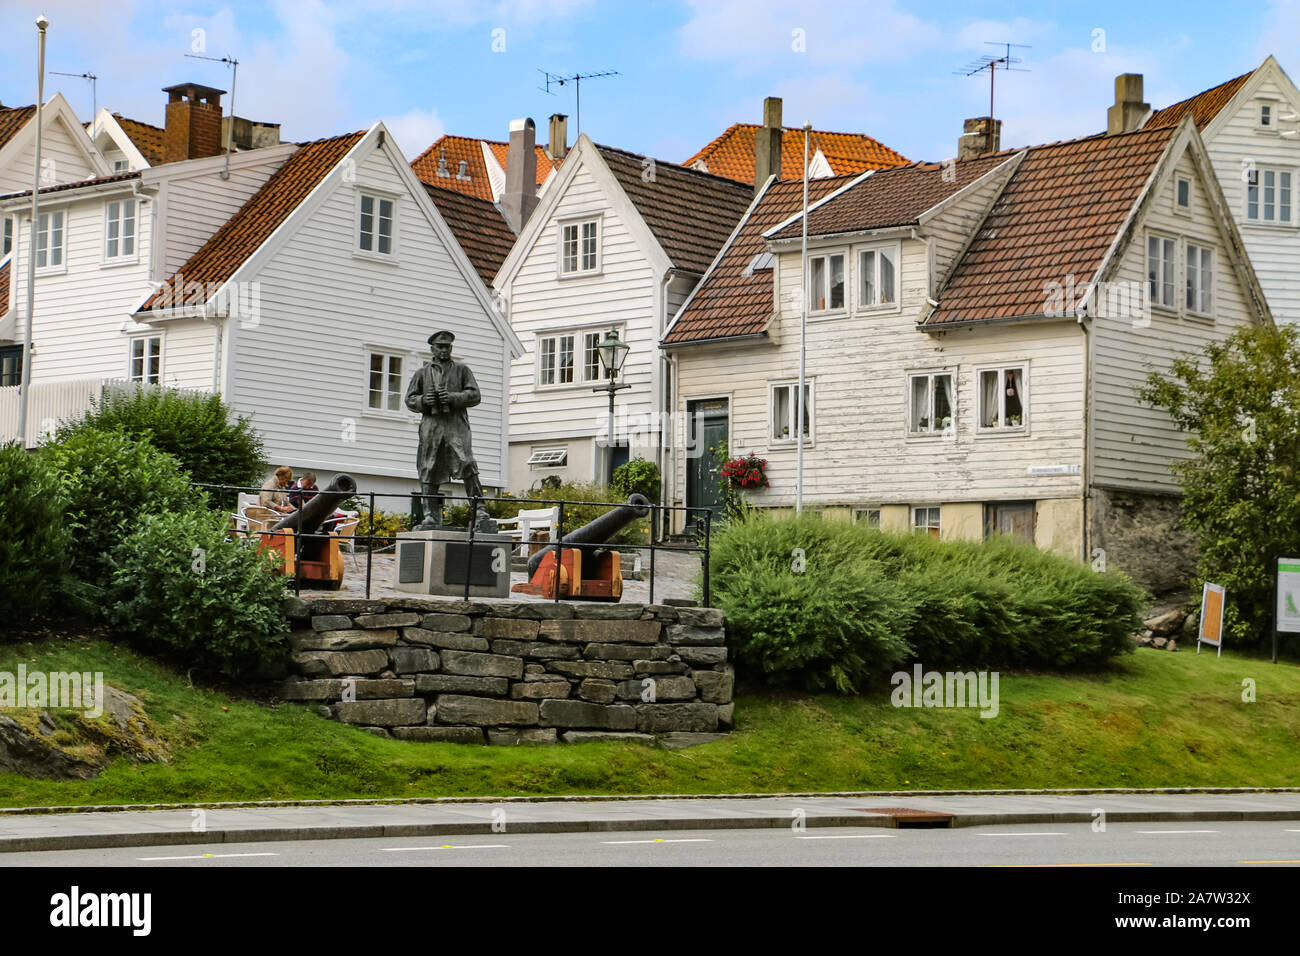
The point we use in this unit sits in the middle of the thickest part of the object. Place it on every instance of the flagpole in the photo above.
(25, 383)
(803, 329)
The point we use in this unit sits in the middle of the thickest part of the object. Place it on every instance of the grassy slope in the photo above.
(1161, 720)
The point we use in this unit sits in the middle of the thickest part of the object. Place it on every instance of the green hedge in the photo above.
(818, 604)
(34, 543)
(179, 586)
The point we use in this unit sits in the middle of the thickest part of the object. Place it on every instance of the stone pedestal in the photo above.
(437, 561)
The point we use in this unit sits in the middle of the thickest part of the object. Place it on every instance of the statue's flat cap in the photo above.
(443, 334)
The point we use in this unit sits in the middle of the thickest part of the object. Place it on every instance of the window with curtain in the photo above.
(825, 283)
(931, 403)
(926, 518)
(784, 411)
(877, 269)
(1200, 279)
(1160, 271)
(384, 389)
(1002, 398)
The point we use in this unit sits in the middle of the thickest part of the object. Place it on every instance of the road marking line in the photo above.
(1032, 866)
(448, 846)
(620, 842)
(1293, 831)
(849, 836)
(1048, 833)
(202, 856)
(1175, 831)
(1268, 861)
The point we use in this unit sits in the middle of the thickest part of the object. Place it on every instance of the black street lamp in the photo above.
(613, 352)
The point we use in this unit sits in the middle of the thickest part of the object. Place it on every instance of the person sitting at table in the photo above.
(273, 496)
(303, 490)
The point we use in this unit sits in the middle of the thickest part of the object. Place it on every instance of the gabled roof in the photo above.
(147, 139)
(12, 119)
(892, 197)
(479, 183)
(732, 154)
(1059, 215)
(690, 213)
(479, 227)
(1203, 106)
(243, 234)
(734, 298)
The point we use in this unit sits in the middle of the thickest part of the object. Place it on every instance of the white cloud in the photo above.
(415, 130)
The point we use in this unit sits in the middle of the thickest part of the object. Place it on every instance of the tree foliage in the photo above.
(34, 546)
(1240, 407)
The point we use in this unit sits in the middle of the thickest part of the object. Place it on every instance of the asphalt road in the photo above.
(1192, 844)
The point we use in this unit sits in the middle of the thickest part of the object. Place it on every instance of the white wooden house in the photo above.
(617, 242)
(975, 334)
(302, 287)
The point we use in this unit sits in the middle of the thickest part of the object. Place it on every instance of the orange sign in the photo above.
(1211, 617)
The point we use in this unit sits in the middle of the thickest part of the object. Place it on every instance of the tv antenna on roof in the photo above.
(576, 80)
(231, 62)
(991, 63)
(94, 95)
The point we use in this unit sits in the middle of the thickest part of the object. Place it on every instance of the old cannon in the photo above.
(588, 570)
(309, 555)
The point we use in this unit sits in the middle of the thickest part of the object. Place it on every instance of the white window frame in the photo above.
(378, 197)
(545, 457)
(927, 508)
(987, 431)
(1204, 300)
(403, 379)
(580, 369)
(1179, 209)
(1258, 173)
(121, 257)
(793, 439)
(827, 255)
(7, 229)
(121, 165)
(62, 265)
(859, 512)
(895, 250)
(1268, 125)
(1156, 301)
(144, 339)
(578, 223)
(931, 375)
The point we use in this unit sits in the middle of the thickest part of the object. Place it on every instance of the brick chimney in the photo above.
(767, 143)
(558, 146)
(980, 135)
(520, 197)
(1129, 109)
(192, 129)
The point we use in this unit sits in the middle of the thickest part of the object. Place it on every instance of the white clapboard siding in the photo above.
(82, 315)
(61, 160)
(1133, 444)
(859, 363)
(301, 367)
(1237, 138)
(623, 294)
(953, 226)
(188, 359)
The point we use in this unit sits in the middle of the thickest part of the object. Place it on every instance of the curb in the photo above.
(146, 838)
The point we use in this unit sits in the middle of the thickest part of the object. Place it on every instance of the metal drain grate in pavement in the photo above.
(910, 818)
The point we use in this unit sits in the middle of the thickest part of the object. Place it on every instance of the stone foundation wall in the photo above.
(1141, 537)
(513, 672)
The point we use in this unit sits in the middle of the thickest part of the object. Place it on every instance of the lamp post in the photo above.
(613, 353)
(25, 382)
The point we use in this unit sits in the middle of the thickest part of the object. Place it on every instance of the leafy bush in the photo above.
(637, 476)
(603, 499)
(386, 526)
(178, 585)
(111, 484)
(1240, 407)
(199, 430)
(34, 545)
(814, 604)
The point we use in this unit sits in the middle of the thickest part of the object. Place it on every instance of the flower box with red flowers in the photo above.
(746, 473)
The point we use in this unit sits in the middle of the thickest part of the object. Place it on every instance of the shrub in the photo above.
(815, 604)
(602, 498)
(199, 430)
(112, 483)
(386, 526)
(34, 543)
(178, 585)
(637, 476)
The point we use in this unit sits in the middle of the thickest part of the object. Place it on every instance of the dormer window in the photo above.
(375, 225)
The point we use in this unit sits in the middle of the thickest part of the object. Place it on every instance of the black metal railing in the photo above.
(657, 513)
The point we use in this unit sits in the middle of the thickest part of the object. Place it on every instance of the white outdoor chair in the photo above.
(528, 521)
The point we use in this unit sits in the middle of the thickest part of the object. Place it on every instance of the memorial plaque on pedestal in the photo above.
(437, 562)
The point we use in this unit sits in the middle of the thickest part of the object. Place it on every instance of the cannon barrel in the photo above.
(600, 530)
(319, 507)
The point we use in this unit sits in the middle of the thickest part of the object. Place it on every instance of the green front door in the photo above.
(707, 425)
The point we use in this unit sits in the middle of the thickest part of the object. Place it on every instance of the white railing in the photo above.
(52, 403)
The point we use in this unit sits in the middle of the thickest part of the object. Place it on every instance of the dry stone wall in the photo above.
(513, 672)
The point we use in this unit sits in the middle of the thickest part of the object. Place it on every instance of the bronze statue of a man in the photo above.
(441, 391)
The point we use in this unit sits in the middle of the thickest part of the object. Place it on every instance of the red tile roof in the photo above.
(730, 302)
(1058, 216)
(691, 213)
(243, 233)
(478, 226)
(456, 148)
(1203, 106)
(61, 187)
(147, 139)
(893, 197)
(732, 154)
(4, 288)
(12, 119)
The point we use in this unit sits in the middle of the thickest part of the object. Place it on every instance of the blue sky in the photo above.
(686, 69)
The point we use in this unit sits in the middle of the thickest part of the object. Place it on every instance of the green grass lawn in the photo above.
(1159, 720)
